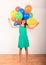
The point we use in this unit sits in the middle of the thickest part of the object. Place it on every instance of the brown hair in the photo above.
(25, 24)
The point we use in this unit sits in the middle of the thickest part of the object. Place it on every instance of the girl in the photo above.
(23, 41)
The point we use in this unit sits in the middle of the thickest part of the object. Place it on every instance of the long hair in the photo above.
(25, 24)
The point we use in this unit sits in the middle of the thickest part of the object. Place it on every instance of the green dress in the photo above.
(23, 38)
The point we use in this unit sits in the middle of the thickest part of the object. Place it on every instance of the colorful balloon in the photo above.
(28, 8)
(19, 21)
(31, 21)
(13, 13)
(21, 10)
(26, 16)
(15, 24)
(17, 8)
(31, 14)
(13, 19)
(19, 16)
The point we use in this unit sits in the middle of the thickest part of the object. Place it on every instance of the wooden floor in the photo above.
(12, 59)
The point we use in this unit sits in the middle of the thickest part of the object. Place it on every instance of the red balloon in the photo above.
(17, 8)
(19, 21)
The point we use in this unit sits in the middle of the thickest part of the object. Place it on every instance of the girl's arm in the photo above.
(11, 24)
(32, 26)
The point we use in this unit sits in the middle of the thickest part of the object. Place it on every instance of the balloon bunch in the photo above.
(19, 13)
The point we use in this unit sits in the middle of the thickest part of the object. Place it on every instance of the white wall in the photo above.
(9, 36)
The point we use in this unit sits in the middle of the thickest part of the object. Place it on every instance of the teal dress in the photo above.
(23, 41)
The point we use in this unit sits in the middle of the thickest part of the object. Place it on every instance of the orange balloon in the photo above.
(28, 8)
(13, 19)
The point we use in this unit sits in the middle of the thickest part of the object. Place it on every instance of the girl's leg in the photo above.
(26, 50)
(20, 54)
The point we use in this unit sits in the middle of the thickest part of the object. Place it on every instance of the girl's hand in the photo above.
(9, 19)
(11, 24)
(35, 25)
(32, 26)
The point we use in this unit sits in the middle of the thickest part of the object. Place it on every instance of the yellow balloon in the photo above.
(32, 21)
(13, 13)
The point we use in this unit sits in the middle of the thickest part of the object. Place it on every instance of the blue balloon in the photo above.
(21, 10)
(15, 24)
(26, 16)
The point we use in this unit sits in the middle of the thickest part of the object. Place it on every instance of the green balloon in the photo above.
(31, 14)
(19, 15)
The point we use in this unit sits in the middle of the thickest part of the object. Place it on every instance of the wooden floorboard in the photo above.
(12, 59)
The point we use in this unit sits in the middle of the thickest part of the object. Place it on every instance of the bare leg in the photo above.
(20, 54)
(26, 50)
